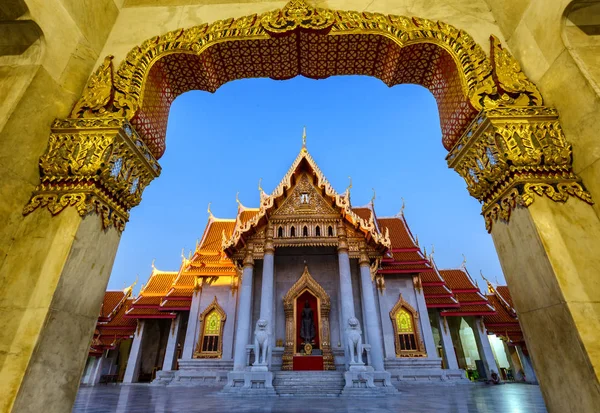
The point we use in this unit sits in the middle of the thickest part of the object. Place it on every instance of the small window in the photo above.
(330, 231)
(293, 232)
(318, 231)
(280, 232)
(305, 231)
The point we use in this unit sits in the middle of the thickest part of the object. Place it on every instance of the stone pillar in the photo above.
(454, 329)
(372, 320)
(426, 332)
(171, 350)
(97, 370)
(484, 347)
(447, 347)
(550, 259)
(516, 369)
(530, 376)
(266, 298)
(191, 334)
(244, 313)
(90, 367)
(135, 355)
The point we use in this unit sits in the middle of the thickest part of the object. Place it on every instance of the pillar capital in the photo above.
(342, 237)
(269, 247)
(364, 260)
(249, 258)
(510, 155)
(97, 165)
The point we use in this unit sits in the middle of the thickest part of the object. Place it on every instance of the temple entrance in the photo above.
(307, 341)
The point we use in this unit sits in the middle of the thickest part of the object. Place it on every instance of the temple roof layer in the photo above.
(112, 325)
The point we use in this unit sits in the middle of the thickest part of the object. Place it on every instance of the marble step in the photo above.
(316, 384)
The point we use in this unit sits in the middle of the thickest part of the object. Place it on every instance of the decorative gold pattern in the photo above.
(98, 165)
(509, 154)
(213, 313)
(299, 39)
(306, 283)
(397, 316)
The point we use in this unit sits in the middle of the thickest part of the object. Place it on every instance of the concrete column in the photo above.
(244, 313)
(371, 320)
(514, 367)
(171, 350)
(426, 332)
(447, 346)
(530, 376)
(135, 355)
(90, 366)
(266, 297)
(191, 334)
(483, 346)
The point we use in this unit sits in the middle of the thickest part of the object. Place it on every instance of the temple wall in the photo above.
(323, 266)
(394, 286)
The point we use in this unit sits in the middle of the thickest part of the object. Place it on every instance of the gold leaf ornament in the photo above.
(97, 93)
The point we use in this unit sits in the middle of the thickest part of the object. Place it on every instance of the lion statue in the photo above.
(261, 343)
(354, 341)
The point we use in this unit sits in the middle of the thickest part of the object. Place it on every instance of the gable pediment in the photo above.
(305, 199)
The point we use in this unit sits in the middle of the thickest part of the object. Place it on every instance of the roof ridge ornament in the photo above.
(373, 197)
(490, 287)
(401, 212)
(295, 15)
(463, 265)
(210, 214)
(304, 140)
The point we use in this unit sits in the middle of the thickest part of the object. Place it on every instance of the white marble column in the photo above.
(135, 355)
(426, 332)
(191, 333)
(244, 313)
(483, 345)
(530, 376)
(97, 371)
(171, 350)
(371, 321)
(516, 369)
(266, 295)
(447, 346)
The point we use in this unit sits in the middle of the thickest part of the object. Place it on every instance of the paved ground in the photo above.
(507, 398)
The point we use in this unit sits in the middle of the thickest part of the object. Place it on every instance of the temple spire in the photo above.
(304, 139)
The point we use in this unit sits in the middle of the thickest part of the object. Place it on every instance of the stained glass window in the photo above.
(212, 326)
(404, 321)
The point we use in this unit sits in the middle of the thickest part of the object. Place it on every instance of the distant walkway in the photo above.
(414, 398)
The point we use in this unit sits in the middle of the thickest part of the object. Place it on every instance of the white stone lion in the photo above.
(261, 343)
(354, 341)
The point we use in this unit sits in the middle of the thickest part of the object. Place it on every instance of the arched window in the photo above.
(318, 231)
(210, 344)
(305, 231)
(293, 232)
(330, 231)
(406, 330)
(280, 232)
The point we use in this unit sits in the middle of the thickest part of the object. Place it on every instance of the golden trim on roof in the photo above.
(341, 201)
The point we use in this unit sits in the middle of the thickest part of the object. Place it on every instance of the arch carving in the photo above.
(409, 349)
(502, 141)
(307, 283)
(216, 350)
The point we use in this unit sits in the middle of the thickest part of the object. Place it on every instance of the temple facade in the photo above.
(307, 282)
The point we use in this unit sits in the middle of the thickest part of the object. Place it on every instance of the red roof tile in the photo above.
(400, 235)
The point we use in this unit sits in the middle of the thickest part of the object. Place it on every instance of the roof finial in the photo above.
(304, 139)
(464, 263)
(210, 214)
(425, 251)
(496, 279)
(373, 197)
(153, 267)
(237, 199)
(259, 185)
(401, 213)
(349, 185)
(417, 240)
(183, 254)
(432, 250)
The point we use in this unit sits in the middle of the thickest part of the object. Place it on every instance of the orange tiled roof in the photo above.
(502, 316)
(458, 279)
(432, 276)
(444, 302)
(159, 283)
(437, 290)
(111, 300)
(505, 294)
(148, 313)
(363, 212)
(400, 235)
(112, 326)
(467, 298)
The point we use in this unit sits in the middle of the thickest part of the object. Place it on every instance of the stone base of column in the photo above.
(163, 377)
(365, 382)
(249, 383)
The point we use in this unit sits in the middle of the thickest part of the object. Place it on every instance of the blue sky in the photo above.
(384, 138)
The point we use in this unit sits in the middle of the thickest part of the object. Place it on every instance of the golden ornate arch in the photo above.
(506, 146)
(306, 283)
(213, 306)
(400, 305)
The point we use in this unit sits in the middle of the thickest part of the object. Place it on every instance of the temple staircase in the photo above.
(308, 383)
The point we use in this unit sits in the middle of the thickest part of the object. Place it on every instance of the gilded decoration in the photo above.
(95, 165)
(510, 155)
(212, 320)
(306, 283)
(502, 160)
(405, 320)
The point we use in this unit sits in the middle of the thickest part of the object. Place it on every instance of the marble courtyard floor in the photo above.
(414, 398)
